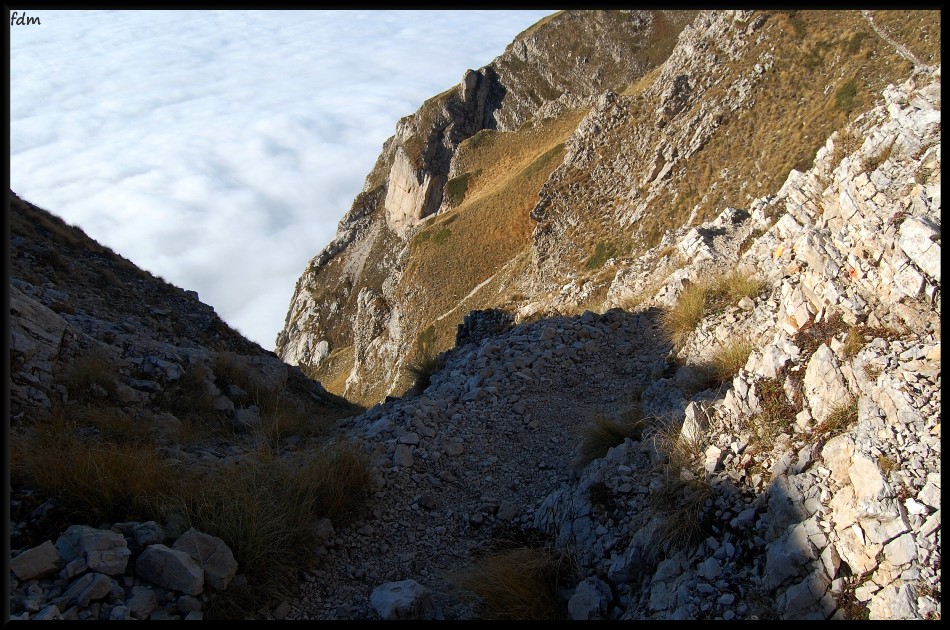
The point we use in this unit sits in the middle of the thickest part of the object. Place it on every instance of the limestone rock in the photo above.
(590, 600)
(37, 562)
(212, 555)
(402, 600)
(170, 568)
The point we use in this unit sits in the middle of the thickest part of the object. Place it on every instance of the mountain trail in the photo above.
(902, 50)
(490, 438)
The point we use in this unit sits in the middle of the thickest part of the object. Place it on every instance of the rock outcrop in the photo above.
(85, 574)
(644, 121)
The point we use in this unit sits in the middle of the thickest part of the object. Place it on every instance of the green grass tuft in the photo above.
(602, 253)
(846, 98)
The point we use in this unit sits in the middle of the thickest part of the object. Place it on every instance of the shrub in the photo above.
(283, 417)
(795, 19)
(813, 334)
(854, 44)
(669, 252)
(872, 371)
(262, 507)
(520, 584)
(749, 240)
(777, 414)
(850, 606)
(886, 464)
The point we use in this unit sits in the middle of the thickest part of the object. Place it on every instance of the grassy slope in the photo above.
(460, 249)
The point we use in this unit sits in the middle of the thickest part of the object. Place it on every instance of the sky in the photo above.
(219, 149)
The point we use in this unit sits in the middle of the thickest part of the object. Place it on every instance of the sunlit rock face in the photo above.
(410, 194)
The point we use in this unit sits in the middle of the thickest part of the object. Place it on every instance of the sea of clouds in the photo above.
(219, 149)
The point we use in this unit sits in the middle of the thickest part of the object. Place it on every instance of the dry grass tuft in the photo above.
(731, 287)
(702, 298)
(685, 497)
(97, 479)
(264, 509)
(841, 418)
(90, 377)
(682, 319)
(518, 584)
(853, 342)
(424, 369)
(603, 433)
(190, 398)
(726, 361)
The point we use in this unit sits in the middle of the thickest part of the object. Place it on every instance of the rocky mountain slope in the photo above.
(353, 322)
(123, 388)
(471, 206)
(675, 325)
(805, 485)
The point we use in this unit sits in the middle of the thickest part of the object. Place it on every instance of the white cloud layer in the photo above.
(219, 149)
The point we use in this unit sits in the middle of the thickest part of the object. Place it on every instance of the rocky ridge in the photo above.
(358, 277)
